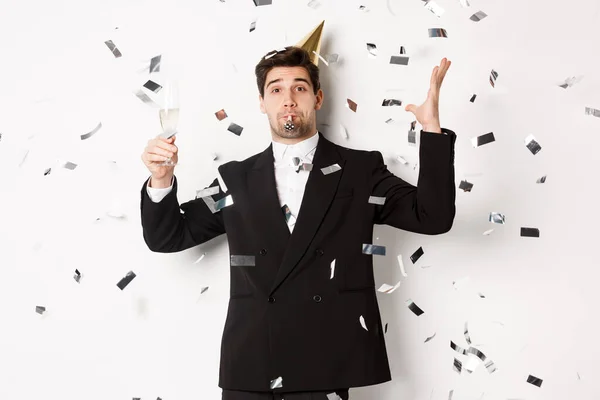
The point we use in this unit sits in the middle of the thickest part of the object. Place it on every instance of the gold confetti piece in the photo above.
(361, 319)
(532, 144)
(126, 280)
(152, 86)
(207, 192)
(429, 338)
(40, 309)
(377, 200)
(372, 49)
(497, 218)
(541, 180)
(437, 32)
(332, 269)
(493, 78)
(402, 271)
(592, 111)
(478, 16)
(416, 255)
(277, 382)
(111, 46)
(530, 232)
(391, 102)
(351, 105)
(483, 139)
(242, 261)
(465, 186)
(235, 128)
(90, 134)
(373, 249)
(414, 308)
(331, 169)
(486, 233)
(435, 8)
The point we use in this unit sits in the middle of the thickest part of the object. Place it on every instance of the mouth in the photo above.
(288, 115)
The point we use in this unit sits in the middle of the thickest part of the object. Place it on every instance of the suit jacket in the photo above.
(286, 316)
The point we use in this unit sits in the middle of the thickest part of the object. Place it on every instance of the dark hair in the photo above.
(292, 57)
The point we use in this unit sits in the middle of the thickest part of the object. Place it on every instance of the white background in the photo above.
(159, 336)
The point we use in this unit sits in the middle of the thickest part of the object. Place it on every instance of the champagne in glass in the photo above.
(169, 112)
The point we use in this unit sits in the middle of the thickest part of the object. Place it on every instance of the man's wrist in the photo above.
(434, 127)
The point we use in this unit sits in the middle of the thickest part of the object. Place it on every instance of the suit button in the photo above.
(263, 252)
(271, 299)
(317, 298)
(320, 252)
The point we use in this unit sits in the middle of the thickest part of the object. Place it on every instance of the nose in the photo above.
(288, 101)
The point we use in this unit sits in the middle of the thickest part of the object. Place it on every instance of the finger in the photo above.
(166, 146)
(433, 79)
(442, 74)
(161, 152)
(155, 158)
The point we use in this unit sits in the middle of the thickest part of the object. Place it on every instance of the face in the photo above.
(288, 90)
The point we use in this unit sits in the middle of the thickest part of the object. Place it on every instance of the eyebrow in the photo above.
(295, 80)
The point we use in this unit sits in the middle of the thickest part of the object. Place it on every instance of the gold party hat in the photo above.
(312, 42)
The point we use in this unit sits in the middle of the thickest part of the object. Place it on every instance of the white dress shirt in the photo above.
(290, 184)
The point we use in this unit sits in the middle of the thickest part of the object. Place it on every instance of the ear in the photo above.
(262, 104)
(319, 102)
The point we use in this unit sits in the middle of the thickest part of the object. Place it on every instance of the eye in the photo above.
(301, 87)
(274, 90)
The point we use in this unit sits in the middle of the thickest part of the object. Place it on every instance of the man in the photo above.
(303, 320)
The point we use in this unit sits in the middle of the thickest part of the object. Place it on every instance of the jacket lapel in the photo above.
(318, 194)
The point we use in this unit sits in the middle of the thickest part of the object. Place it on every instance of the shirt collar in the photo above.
(301, 149)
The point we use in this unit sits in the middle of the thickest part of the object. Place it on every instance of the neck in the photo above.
(289, 141)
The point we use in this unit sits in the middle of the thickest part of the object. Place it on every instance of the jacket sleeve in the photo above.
(169, 228)
(429, 207)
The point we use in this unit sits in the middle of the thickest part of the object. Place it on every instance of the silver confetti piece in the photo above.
(332, 269)
(328, 59)
(242, 261)
(460, 282)
(401, 159)
(571, 81)
(377, 200)
(435, 8)
(478, 16)
(391, 102)
(464, 3)
(263, 3)
(372, 49)
(542, 179)
(111, 46)
(430, 337)
(277, 382)
(592, 111)
(207, 192)
(401, 263)
(224, 202)
(333, 396)
(483, 139)
(493, 78)
(331, 169)
(465, 186)
(490, 366)
(402, 50)
(472, 100)
(416, 255)
(385, 288)
(200, 258)
(145, 99)
(414, 308)
(235, 128)
(373, 249)
(497, 218)
(399, 60)
(252, 26)
(203, 290)
(77, 276)
(450, 394)
(126, 280)
(40, 309)
(221, 182)
(457, 366)
(351, 105)
(47, 171)
(532, 144)
(412, 137)
(90, 134)
(530, 232)
(69, 165)
(466, 333)
(458, 349)
(534, 381)
(437, 32)
(486, 233)
(155, 64)
(361, 319)
(385, 330)
(152, 86)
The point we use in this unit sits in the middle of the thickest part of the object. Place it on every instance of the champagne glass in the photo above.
(169, 111)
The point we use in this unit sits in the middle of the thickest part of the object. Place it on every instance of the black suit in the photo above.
(286, 317)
